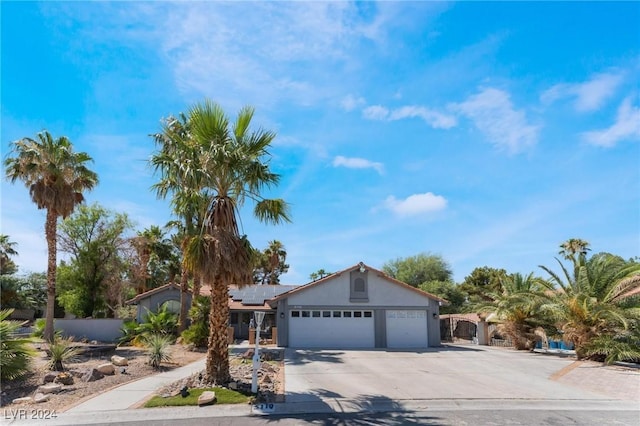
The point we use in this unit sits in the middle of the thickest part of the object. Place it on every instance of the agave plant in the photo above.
(158, 347)
(61, 352)
(15, 352)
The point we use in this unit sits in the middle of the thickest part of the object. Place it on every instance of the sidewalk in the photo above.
(134, 393)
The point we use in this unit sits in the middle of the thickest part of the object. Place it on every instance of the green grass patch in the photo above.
(223, 396)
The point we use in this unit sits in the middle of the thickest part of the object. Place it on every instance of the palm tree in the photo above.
(7, 266)
(599, 299)
(56, 177)
(516, 307)
(572, 247)
(154, 254)
(236, 169)
(181, 174)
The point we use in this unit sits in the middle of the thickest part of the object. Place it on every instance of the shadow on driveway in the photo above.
(328, 408)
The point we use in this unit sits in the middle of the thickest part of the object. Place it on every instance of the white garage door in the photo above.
(331, 329)
(407, 329)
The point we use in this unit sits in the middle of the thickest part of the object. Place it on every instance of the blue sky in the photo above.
(487, 133)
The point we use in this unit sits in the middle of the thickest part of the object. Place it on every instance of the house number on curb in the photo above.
(265, 408)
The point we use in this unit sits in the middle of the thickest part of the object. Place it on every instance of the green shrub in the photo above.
(162, 322)
(198, 331)
(196, 334)
(158, 349)
(15, 352)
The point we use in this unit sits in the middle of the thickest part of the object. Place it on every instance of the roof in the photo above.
(152, 292)
(249, 297)
(381, 274)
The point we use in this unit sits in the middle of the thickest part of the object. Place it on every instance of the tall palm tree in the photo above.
(235, 161)
(56, 177)
(573, 249)
(596, 300)
(7, 266)
(178, 161)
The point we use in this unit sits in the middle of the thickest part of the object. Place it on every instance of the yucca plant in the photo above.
(15, 352)
(61, 352)
(158, 349)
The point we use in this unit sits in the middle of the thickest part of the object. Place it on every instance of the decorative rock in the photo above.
(77, 373)
(107, 369)
(41, 397)
(49, 377)
(64, 378)
(266, 379)
(119, 361)
(248, 354)
(92, 375)
(233, 385)
(21, 400)
(49, 388)
(207, 397)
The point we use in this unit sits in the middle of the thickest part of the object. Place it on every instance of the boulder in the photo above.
(248, 354)
(233, 385)
(49, 377)
(64, 378)
(207, 397)
(41, 397)
(107, 369)
(49, 388)
(119, 361)
(22, 400)
(92, 375)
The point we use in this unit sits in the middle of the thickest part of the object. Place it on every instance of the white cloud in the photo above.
(433, 118)
(416, 204)
(375, 112)
(357, 163)
(493, 114)
(589, 95)
(351, 102)
(626, 126)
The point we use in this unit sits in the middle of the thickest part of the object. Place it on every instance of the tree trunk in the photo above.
(50, 230)
(184, 291)
(218, 351)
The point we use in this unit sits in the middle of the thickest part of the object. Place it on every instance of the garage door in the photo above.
(331, 329)
(407, 329)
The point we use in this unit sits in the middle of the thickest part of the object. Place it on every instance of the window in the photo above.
(295, 314)
(337, 314)
(357, 314)
(305, 314)
(326, 314)
(359, 286)
(316, 314)
(172, 306)
(347, 314)
(367, 314)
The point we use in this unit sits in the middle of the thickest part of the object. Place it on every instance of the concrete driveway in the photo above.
(453, 372)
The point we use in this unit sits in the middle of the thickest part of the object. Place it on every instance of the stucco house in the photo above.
(358, 307)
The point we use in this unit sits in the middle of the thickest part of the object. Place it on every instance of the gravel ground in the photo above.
(80, 390)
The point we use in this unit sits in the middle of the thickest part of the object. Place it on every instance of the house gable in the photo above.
(339, 289)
